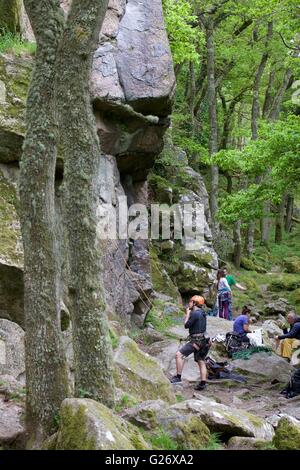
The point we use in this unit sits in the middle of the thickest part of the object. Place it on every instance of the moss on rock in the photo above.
(250, 265)
(15, 73)
(160, 278)
(88, 425)
(10, 234)
(10, 15)
(287, 435)
(287, 282)
(292, 265)
(190, 434)
(139, 374)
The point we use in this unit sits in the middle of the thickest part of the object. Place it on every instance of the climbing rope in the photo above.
(130, 274)
(247, 353)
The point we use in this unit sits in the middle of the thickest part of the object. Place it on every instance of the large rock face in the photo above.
(264, 365)
(11, 423)
(192, 270)
(11, 255)
(132, 86)
(187, 430)
(14, 81)
(139, 374)
(12, 354)
(227, 421)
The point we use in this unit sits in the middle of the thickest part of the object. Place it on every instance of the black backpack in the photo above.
(234, 343)
(293, 387)
(214, 368)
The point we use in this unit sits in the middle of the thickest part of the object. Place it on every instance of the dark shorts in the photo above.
(188, 349)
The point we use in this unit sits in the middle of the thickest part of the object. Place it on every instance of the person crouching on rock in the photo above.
(241, 324)
(291, 339)
(198, 343)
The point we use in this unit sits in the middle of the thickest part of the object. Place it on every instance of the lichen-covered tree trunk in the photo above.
(276, 106)
(279, 222)
(212, 103)
(46, 372)
(255, 115)
(266, 224)
(289, 213)
(80, 148)
(237, 239)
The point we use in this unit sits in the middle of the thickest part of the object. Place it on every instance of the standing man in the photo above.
(290, 339)
(195, 321)
(232, 283)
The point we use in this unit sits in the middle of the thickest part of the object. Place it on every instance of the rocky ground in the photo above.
(265, 375)
(152, 413)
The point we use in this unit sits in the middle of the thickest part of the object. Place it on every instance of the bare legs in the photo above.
(180, 364)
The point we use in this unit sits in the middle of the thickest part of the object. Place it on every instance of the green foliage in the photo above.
(275, 158)
(179, 398)
(126, 401)
(157, 318)
(214, 442)
(10, 42)
(84, 394)
(114, 339)
(185, 40)
(162, 440)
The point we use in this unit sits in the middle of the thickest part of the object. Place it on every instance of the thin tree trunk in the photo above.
(289, 213)
(279, 224)
(265, 220)
(46, 371)
(192, 95)
(249, 242)
(212, 104)
(80, 149)
(276, 106)
(269, 93)
(237, 239)
(255, 115)
(266, 224)
(177, 69)
(256, 85)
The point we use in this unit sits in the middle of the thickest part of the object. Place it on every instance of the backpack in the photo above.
(214, 368)
(234, 343)
(293, 387)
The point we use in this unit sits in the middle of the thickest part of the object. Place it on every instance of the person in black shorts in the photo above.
(195, 321)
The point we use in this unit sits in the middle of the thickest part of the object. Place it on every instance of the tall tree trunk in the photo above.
(249, 241)
(276, 106)
(266, 224)
(255, 115)
(80, 149)
(289, 213)
(256, 85)
(269, 93)
(272, 111)
(279, 223)
(237, 239)
(46, 371)
(212, 104)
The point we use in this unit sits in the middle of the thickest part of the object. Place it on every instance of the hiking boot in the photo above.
(200, 387)
(175, 380)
